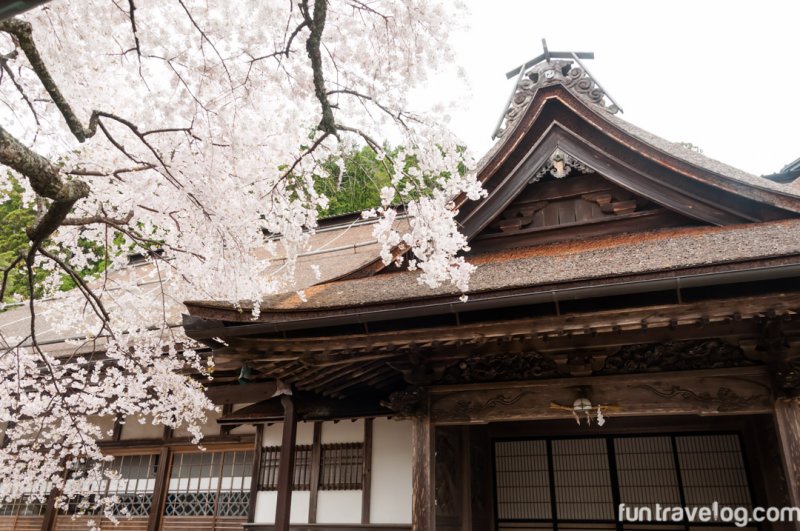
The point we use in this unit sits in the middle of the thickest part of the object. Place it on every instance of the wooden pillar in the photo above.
(366, 480)
(466, 478)
(286, 466)
(422, 456)
(160, 490)
(255, 476)
(787, 422)
(50, 513)
(316, 462)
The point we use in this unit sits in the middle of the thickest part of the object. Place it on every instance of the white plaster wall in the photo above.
(244, 429)
(133, 429)
(104, 423)
(344, 431)
(339, 507)
(209, 428)
(266, 502)
(390, 499)
(273, 434)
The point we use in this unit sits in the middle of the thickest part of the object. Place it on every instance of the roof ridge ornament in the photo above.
(551, 68)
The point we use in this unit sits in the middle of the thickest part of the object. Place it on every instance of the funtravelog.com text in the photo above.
(738, 516)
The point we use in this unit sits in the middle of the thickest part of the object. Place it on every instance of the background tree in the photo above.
(192, 127)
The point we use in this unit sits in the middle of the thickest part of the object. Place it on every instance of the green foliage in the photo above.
(14, 218)
(356, 186)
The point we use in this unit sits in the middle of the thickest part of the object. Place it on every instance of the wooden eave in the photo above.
(375, 364)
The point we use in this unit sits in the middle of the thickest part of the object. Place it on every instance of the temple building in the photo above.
(631, 336)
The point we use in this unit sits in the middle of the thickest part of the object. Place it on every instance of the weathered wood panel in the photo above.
(21, 523)
(787, 422)
(709, 392)
(480, 468)
(422, 458)
(79, 523)
(201, 523)
(449, 479)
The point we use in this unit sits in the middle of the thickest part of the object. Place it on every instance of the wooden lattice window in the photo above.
(210, 484)
(28, 505)
(341, 467)
(131, 478)
(270, 462)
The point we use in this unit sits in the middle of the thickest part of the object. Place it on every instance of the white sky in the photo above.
(722, 75)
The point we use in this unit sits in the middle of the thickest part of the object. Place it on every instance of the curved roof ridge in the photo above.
(677, 150)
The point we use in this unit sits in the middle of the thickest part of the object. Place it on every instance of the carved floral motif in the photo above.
(725, 399)
(675, 356)
(406, 403)
(502, 367)
(559, 165)
(787, 377)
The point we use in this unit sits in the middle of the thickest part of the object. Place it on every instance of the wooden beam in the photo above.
(655, 316)
(422, 457)
(255, 475)
(159, 490)
(238, 393)
(309, 407)
(366, 481)
(316, 462)
(732, 391)
(286, 466)
(787, 422)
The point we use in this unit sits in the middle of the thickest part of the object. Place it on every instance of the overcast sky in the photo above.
(724, 76)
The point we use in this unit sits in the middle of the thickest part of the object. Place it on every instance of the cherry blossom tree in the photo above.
(186, 130)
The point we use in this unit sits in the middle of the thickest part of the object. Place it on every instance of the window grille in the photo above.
(341, 467)
(270, 462)
(210, 484)
(544, 483)
(132, 478)
(28, 505)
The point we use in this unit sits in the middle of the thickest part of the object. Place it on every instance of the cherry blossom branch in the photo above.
(131, 10)
(99, 218)
(205, 38)
(7, 69)
(316, 23)
(116, 173)
(23, 32)
(97, 305)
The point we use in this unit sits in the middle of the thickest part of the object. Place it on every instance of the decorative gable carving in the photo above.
(568, 200)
